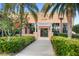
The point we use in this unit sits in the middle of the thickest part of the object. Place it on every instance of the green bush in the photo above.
(75, 36)
(65, 47)
(76, 28)
(15, 44)
(65, 35)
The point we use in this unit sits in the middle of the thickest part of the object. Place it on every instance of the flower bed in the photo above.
(14, 44)
(64, 46)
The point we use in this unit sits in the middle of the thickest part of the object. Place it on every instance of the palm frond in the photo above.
(32, 5)
(46, 8)
(54, 9)
(61, 9)
(34, 14)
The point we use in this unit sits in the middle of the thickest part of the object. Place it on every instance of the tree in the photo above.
(76, 28)
(68, 9)
(46, 8)
(5, 21)
(5, 26)
(32, 9)
(10, 8)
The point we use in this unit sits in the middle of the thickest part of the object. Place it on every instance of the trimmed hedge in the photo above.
(65, 47)
(73, 35)
(63, 34)
(15, 44)
(76, 28)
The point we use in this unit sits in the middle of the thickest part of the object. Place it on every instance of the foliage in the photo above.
(67, 9)
(75, 36)
(65, 35)
(31, 27)
(65, 47)
(9, 10)
(5, 25)
(15, 44)
(76, 28)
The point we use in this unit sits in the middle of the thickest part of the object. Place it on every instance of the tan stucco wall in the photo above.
(41, 18)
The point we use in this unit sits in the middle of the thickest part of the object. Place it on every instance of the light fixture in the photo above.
(61, 16)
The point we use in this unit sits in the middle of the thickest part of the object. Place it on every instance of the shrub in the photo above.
(76, 28)
(73, 35)
(15, 44)
(63, 34)
(65, 47)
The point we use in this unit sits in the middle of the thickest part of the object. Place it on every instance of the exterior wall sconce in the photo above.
(61, 16)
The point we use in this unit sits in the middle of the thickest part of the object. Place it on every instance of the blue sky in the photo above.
(40, 5)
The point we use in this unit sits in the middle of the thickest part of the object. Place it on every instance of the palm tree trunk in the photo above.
(35, 26)
(5, 32)
(70, 28)
(8, 35)
(21, 16)
(69, 14)
(69, 20)
(21, 29)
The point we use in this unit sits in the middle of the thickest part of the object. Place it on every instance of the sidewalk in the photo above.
(41, 47)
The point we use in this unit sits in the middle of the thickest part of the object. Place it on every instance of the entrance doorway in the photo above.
(44, 32)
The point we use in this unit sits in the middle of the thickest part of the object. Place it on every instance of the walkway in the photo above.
(41, 47)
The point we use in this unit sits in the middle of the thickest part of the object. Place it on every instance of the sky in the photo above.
(40, 5)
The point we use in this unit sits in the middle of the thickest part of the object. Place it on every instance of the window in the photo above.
(65, 28)
(31, 27)
(55, 28)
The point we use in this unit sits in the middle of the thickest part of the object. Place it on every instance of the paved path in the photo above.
(41, 47)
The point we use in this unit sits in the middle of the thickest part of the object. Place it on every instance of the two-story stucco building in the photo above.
(46, 26)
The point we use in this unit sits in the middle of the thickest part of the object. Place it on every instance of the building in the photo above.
(46, 26)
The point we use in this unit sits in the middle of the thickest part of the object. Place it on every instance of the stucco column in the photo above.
(51, 33)
(36, 32)
(35, 27)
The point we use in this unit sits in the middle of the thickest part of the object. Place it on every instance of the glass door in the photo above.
(44, 32)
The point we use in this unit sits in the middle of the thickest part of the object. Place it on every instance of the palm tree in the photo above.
(32, 9)
(5, 26)
(68, 9)
(7, 9)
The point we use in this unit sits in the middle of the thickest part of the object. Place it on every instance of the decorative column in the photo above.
(36, 31)
(51, 33)
(35, 27)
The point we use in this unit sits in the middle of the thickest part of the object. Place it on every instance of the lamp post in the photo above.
(61, 16)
